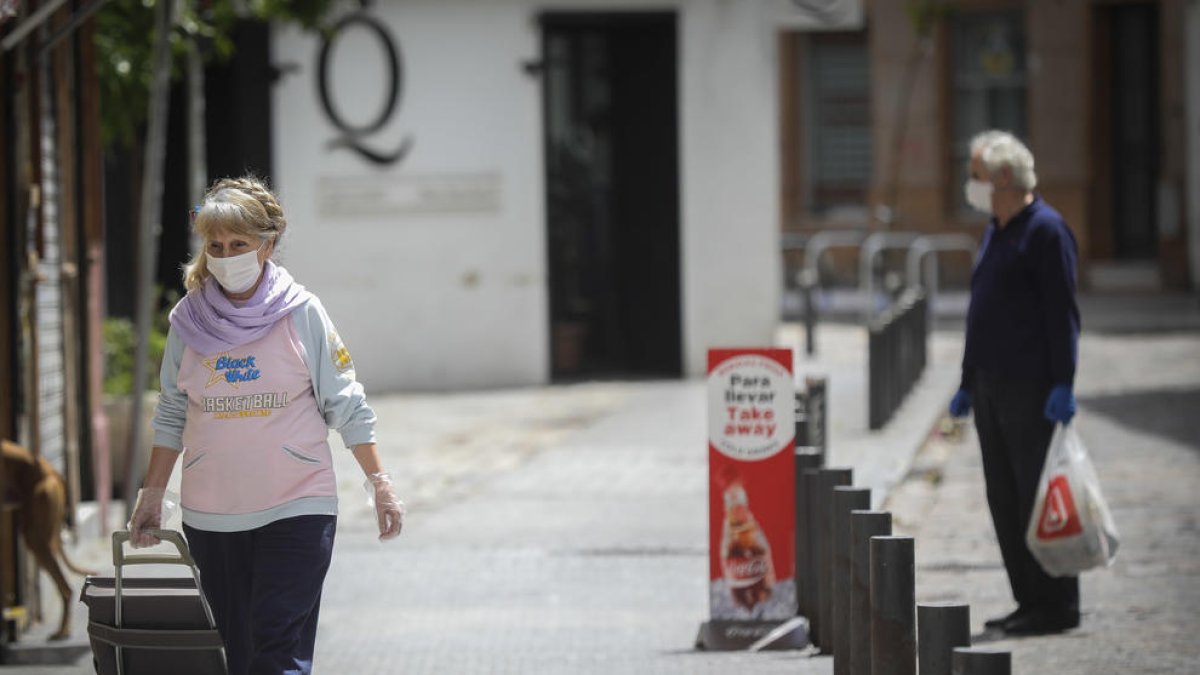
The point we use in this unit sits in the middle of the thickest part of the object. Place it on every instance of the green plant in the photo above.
(125, 46)
(120, 341)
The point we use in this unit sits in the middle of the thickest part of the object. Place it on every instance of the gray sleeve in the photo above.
(339, 395)
(171, 411)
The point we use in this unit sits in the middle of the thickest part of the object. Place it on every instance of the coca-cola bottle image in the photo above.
(745, 553)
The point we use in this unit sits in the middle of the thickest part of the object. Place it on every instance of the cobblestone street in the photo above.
(1138, 396)
(562, 529)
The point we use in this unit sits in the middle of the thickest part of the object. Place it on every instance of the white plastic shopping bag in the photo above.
(1071, 529)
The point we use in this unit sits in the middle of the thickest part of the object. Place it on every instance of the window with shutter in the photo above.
(837, 106)
(989, 84)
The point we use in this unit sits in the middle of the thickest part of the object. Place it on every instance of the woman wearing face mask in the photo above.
(253, 376)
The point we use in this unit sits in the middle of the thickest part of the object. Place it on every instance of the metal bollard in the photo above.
(894, 365)
(801, 410)
(981, 661)
(818, 412)
(808, 281)
(896, 355)
(823, 522)
(845, 500)
(807, 459)
(923, 314)
(902, 350)
(941, 626)
(893, 633)
(863, 526)
(897, 358)
(876, 361)
(810, 481)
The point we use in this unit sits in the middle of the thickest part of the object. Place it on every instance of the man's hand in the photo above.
(960, 405)
(1060, 405)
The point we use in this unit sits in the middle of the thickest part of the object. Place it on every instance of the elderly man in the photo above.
(1019, 364)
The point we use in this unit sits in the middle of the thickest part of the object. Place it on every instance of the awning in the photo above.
(817, 15)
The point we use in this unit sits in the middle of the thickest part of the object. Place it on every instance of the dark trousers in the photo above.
(1014, 437)
(264, 586)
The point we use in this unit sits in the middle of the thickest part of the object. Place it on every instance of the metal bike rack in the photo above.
(827, 239)
(809, 276)
(873, 246)
(922, 248)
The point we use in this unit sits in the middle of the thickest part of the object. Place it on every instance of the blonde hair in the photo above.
(243, 206)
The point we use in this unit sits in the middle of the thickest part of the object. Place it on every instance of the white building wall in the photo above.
(730, 174)
(445, 300)
(434, 300)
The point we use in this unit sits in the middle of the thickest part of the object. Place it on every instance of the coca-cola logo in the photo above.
(746, 571)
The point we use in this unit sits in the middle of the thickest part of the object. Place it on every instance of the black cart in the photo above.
(152, 626)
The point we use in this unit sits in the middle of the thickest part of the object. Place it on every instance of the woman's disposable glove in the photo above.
(153, 507)
(1060, 404)
(960, 405)
(388, 507)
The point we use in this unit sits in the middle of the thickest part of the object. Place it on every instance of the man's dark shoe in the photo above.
(999, 621)
(1043, 622)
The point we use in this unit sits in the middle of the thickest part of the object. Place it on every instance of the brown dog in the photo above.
(42, 494)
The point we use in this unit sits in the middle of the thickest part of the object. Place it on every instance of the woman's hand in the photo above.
(388, 507)
(154, 506)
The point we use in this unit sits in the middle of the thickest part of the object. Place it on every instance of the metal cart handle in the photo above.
(120, 558)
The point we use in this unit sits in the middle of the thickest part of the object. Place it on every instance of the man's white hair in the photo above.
(999, 149)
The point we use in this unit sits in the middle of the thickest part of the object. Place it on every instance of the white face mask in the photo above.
(979, 195)
(238, 273)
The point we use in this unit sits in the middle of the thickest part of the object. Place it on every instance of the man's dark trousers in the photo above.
(1014, 436)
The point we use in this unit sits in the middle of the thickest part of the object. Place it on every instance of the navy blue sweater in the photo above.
(1023, 320)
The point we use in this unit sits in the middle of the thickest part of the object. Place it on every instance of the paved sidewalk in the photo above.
(1139, 394)
(563, 529)
(591, 556)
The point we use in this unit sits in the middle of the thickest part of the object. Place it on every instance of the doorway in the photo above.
(1126, 133)
(612, 194)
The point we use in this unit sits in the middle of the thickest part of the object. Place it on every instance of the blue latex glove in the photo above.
(1060, 405)
(960, 405)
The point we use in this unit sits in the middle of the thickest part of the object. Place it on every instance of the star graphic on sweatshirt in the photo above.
(233, 371)
(214, 374)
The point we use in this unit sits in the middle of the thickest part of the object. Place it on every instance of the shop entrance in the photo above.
(612, 202)
(1125, 134)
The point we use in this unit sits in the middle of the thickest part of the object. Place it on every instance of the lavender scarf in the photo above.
(210, 323)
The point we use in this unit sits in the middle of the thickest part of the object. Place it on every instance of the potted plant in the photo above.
(120, 339)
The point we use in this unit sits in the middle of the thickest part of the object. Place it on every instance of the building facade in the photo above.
(514, 192)
(50, 257)
(1099, 90)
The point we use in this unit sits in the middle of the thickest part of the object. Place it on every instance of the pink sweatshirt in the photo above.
(252, 429)
(254, 438)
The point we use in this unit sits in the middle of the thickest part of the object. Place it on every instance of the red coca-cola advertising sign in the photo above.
(751, 492)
